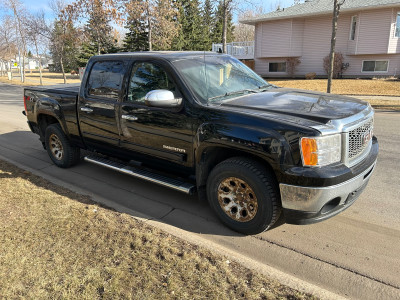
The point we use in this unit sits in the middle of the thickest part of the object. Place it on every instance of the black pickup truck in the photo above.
(205, 122)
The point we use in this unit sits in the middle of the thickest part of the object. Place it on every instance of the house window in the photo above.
(375, 65)
(353, 28)
(398, 25)
(277, 67)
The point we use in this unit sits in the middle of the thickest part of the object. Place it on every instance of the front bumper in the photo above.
(305, 205)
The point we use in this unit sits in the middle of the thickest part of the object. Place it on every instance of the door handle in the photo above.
(86, 109)
(129, 118)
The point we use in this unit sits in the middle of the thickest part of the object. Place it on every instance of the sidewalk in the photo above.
(381, 102)
(376, 98)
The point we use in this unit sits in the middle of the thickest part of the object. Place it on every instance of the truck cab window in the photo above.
(105, 79)
(147, 77)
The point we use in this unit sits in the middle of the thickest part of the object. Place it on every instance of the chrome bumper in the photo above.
(313, 199)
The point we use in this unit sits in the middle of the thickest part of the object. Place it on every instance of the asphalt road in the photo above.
(355, 254)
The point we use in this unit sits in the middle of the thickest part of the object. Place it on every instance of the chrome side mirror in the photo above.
(162, 99)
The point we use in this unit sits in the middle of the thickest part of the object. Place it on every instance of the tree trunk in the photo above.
(40, 63)
(98, 45)
(336, 10)
(149, 24)
(62, 69)
(23, 68)
(224, 26)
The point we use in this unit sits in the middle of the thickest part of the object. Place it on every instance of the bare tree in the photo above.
(63, 32)
(8, 47)
(165, 27)
(244, 32)
(228, 7)
(19, 14)
(37, 32)
(149, 8)
(100, 13)
(337, 4)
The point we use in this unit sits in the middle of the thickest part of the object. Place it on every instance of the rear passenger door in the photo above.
(98, 118)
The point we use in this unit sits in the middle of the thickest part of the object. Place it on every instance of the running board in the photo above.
(172, 183)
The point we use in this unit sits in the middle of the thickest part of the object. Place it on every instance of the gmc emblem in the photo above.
(367, 137)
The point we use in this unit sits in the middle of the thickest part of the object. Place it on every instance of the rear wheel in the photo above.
(244, 195)
(60, 150)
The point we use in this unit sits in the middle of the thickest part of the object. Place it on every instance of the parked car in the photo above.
(205, 122)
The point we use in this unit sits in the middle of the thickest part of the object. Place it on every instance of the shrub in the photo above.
(311, 75)
(291, 65)
(337, 64)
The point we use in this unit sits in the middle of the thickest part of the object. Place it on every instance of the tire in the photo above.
(59, 148)
(244, 195)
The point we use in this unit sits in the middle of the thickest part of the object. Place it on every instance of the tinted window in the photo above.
(147, 77)
(105, 79)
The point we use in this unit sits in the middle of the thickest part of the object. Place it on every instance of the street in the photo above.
(355, 254)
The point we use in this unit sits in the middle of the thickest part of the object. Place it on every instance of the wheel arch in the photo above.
(213, 155)
(44, 120)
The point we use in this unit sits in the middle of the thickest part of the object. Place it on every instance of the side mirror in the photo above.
(162, 99)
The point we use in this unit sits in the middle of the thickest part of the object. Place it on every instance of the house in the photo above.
(368, 36)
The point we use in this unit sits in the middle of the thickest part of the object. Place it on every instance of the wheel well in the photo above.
(214, 155)
(43, 122)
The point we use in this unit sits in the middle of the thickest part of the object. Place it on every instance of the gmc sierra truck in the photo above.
(205, 122)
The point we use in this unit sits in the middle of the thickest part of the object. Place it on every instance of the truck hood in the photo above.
(312, 106)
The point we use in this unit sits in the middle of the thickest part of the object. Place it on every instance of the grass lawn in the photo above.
(33, 78)
(378, 87)
(56, 244)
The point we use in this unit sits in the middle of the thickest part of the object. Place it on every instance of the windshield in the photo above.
(219, 77)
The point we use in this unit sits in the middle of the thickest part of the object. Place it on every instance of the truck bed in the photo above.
(67, 89)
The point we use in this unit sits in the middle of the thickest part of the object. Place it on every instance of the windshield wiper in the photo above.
(233, 93)
(266, 86)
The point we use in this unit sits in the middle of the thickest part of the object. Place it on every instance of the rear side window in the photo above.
(105, 79)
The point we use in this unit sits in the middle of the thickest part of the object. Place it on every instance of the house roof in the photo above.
(319, 7)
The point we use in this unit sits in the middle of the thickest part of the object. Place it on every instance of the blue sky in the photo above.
(34, 6)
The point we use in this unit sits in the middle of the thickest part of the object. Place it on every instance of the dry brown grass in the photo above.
(378, 87)
(49, 78)
(56, 244)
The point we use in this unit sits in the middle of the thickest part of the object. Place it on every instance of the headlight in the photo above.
(321, 151)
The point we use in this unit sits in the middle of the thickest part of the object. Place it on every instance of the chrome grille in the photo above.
(357, 145)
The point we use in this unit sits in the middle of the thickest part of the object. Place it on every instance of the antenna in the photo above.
(205, 73)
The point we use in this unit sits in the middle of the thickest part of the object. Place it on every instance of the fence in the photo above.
(240, 50)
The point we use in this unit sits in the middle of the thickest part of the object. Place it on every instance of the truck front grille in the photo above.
(358, 138)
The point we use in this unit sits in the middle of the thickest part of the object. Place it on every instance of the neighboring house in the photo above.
(32, 63)
(368, 36)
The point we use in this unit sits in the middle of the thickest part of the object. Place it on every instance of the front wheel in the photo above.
(60, 150)
(244, 195)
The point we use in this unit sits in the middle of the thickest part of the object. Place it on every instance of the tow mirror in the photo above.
(162, 99)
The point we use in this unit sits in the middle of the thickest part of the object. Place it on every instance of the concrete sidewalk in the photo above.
(380, 98)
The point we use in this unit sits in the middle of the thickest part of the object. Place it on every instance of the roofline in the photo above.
(258, 20)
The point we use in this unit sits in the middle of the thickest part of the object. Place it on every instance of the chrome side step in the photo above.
(172, 183)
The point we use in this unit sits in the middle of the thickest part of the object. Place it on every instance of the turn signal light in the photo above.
(309, 150)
